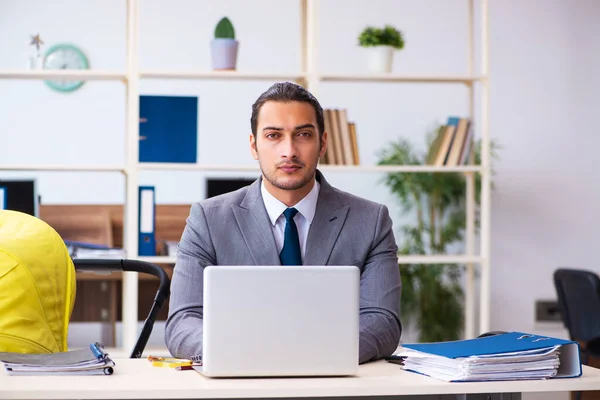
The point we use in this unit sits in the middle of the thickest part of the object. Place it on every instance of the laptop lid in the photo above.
(280, 320)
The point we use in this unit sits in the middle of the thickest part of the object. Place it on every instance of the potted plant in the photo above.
(380, 44)
(224, 46)
(432, 294)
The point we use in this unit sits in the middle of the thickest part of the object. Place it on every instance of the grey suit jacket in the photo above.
(233, 229)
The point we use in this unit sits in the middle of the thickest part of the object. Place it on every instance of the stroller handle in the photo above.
(104, 266)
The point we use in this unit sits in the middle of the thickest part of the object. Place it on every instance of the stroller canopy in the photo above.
(37, 285)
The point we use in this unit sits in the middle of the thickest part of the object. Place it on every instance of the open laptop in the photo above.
(280, 321)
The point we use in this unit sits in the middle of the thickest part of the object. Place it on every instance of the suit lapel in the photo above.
(327, 224)
(252, 219)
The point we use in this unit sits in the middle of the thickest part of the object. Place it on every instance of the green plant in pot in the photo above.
(432, 294)
(380, 44)
(224, 46)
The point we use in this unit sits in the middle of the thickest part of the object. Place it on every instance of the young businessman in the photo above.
(322, 226)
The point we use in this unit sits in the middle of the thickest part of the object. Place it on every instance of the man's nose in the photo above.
(289, 149)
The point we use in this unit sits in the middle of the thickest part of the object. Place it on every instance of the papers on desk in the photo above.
(86, 361)
(510, 356)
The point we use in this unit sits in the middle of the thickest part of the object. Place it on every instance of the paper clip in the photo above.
(169, 362)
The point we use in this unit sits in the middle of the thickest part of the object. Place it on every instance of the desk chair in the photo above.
(578, 294)
(100, 266)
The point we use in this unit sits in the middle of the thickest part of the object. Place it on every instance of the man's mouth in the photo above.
(289, 168)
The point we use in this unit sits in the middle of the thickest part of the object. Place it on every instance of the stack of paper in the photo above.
(509, 356)
(86, 361)
(532, 364)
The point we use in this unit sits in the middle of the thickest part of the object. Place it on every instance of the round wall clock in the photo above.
(65, 56)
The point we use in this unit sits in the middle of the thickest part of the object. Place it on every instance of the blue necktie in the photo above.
(290, 253)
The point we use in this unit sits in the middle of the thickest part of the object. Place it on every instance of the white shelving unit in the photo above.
(310, 77)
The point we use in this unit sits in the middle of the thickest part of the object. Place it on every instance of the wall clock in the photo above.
(65, 56)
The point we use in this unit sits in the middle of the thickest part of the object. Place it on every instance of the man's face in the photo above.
(287, 144)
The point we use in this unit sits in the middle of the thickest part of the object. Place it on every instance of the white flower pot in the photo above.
(380, 58)
(224, 53)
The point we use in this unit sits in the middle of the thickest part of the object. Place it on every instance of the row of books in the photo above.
(342, 147)
(452, 144)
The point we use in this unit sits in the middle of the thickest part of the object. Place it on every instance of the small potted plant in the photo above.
(381, 44)
(224, 46)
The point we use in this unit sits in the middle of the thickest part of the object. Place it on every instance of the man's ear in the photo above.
(253, 149)
(323, 144)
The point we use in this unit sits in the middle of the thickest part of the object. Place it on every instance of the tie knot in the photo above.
(290, 213)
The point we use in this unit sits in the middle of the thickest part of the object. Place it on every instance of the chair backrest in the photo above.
(578, 294)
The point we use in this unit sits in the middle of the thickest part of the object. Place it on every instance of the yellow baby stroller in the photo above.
(38, 287)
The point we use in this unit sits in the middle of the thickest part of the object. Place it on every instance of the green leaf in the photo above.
(386, 36)
(224, 29)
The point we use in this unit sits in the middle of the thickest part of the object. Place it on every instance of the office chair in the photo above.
(578, 293)
(107, 266)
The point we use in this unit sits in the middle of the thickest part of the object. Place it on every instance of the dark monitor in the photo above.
(217, 186)
(19, 195)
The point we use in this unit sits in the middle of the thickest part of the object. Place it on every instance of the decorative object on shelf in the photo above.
(224, 46)
(432, 294)
(65, 56)
(380, 44)
(36, 59)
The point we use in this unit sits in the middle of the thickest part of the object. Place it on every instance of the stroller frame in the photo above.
(107, 266)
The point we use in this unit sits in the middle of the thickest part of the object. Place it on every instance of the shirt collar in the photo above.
(307, 206)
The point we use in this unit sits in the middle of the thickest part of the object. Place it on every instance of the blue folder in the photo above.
(168, 129)
(510, 342)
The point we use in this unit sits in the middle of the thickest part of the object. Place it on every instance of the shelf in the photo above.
(74, 168)
(439, 259)
(399, 168)
(332, 168)
(87, 75)
(400, 78)
(233, 75)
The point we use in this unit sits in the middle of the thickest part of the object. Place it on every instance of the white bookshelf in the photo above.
(309, 76)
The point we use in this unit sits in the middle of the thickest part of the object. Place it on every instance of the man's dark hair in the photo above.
(285, 92)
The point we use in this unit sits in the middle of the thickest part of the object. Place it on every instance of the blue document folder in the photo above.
(146, 222)
(168, 129)
(511, 355)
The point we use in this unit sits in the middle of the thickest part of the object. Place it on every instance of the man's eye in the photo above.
(272, 135)
(305, 134)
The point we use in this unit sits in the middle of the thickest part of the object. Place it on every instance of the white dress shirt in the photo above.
(306, 211)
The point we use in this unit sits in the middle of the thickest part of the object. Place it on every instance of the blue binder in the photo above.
(3, 199)
(510, 342)
(146, 221)
(168, 129)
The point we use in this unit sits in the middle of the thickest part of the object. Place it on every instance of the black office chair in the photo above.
(578, 293)
(101, 266)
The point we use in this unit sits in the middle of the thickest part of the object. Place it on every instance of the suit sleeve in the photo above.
(183, 329)
(380, 288)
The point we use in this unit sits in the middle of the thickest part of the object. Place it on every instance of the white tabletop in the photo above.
(137, 378)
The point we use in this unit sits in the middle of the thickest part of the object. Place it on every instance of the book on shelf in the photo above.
(342, 144)
(501, 357)
(452, 144)
(90, 360)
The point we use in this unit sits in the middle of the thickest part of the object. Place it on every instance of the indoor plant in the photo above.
(380, 44)
(224, 46)
(432, 295)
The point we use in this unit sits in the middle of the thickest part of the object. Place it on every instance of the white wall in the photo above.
(542, 105)
(544, 99)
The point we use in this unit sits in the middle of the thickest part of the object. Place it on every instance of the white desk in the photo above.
(137, 378)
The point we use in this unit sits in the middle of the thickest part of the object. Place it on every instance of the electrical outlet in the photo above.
(547, 311)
